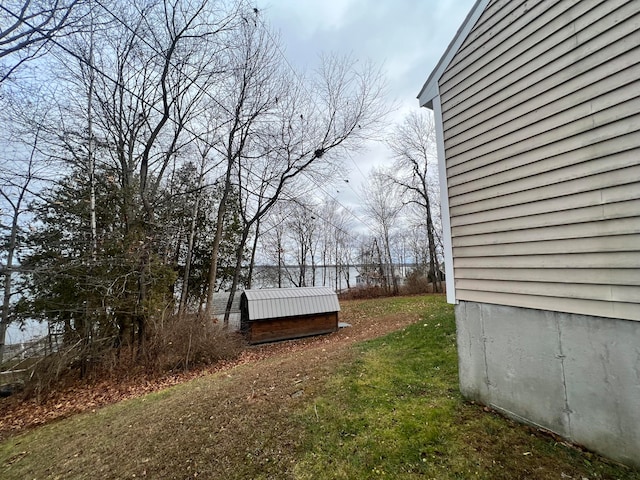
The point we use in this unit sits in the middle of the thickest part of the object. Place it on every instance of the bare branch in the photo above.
(26, 26)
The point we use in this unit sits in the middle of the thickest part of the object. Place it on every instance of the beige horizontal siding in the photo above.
(498, 14)
(607, 276)
(618, 243)
(618, 226)
(589, 198)
(559, 96)
(547, 77)
(629, 259)
(545, 55)
(542, 143)
(493, 46)
(570, 100)
(510, 52)
(613, 293)
(597, 213)
(580, 119)
(590, 138)
(529, 164)
(614, 170)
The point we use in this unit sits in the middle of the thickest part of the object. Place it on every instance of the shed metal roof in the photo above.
(289, 302)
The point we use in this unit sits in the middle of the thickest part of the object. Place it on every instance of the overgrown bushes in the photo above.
(363, 293)
(415, 283)
(182, 343)
(175, 344)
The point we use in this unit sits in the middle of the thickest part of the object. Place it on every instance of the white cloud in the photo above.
(307, 17)
(407, 37)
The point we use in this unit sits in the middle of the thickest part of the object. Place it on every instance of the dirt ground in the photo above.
(315, 354)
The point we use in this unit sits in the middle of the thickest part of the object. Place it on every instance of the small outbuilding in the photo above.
(273, 314)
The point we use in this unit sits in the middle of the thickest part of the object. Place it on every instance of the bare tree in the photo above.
(21, 176)
(192, 230)
(133, 99)
(273, 238)
(250, 93)
(413, 146)
(383, 206)
(344, 250)
(334, 240)
(14, 191)
(148, 81)
(307, 131)
(282, 125)
(302, 226)
(26, 28)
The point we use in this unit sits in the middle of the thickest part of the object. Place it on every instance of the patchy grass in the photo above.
(208, 428)
(379, 307)
(319, 408)
(396, 412)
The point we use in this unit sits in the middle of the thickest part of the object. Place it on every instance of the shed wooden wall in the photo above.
(541, 118)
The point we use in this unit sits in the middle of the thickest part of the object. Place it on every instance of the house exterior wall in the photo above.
(537, 112)
(541, 134)
(575, 375)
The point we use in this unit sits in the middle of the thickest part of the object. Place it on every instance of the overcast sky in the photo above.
(407, 37)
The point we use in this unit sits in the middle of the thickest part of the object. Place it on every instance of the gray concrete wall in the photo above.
(576, 375)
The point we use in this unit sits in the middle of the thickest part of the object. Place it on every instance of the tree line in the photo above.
(154, 151)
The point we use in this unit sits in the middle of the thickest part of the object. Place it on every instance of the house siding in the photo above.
(542, 144)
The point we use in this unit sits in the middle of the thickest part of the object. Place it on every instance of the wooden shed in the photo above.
(273, 314)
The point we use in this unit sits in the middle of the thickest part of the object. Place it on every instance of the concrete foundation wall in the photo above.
(576, 375)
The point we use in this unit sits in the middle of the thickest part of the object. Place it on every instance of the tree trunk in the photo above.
(324, 267)
(141, 308)
(380, 266)
(4, 322)
(8, 277)
(279, 262)
(11, 251)
(236, 275)
(253, 255)
(433, 275)
(387, 248)
(192, 233)
(336, 260)
(348, 276)
(90, 149)
(213, 269)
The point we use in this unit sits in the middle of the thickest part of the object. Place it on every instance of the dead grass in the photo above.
(259, 417)
(237, 423)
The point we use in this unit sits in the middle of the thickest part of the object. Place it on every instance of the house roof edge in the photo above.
(430, 88)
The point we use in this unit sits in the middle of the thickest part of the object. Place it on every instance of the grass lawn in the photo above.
(396, 412)
(384, 408)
